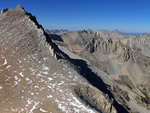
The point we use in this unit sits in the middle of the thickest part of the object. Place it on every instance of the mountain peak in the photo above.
(19, 7)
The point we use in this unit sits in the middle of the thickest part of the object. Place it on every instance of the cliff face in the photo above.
(122, 61)
(31, 77)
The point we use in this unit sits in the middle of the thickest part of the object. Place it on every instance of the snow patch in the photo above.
(34, 107)
(27, 79)
(16, 83)
(16, 78)
(5, 62)
(43, 110)
(45, 67)
(39, 75)
(36, 86)
(49, 96)
(44, 58)
(46, 73)
(21, 74)
(50, 79)
(62, 82)
(8, 66)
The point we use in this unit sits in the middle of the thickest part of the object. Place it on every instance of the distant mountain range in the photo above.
(56, 31)
(136, 34)
(61, 31)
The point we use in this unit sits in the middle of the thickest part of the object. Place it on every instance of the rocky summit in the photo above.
(73, 72)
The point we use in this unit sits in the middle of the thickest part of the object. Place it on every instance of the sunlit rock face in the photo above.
(32, 80)
(122, 61)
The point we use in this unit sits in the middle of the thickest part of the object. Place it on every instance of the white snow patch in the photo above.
(5, 62)
(46, 73)
(32, 93)
(1, 87)
(21, 74)
(8, 66)
(32, 70)
(36, 86)
(42, 80)
(50, 79)
(51, 88)
(27, 79)
(34, 107)
(44, 58)
(39, 75)
(43, 110)
(15, 83)
(16, 78)
(61, 107)
(62, 82)
(45, 68)
(49, 96)
(29, 101)
(79, 105)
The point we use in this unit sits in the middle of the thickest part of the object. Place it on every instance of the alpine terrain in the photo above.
(70, 72)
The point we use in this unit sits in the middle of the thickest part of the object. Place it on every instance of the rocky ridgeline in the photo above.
(31, 77)
(122, 61)
(115, 47)
(20, 24)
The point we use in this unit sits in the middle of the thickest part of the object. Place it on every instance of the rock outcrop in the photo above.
(4, 10)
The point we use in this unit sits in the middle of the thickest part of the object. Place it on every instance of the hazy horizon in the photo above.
(97, 30)
(125, 16)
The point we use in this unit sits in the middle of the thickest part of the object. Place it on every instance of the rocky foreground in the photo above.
(82, 72)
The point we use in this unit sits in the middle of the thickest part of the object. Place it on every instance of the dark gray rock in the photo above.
(4, 10)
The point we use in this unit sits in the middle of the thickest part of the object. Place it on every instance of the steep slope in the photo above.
(121, 61)
(31, 77)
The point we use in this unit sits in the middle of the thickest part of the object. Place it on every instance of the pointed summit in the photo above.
(19, 7)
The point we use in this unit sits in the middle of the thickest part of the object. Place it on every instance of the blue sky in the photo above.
(124, 15)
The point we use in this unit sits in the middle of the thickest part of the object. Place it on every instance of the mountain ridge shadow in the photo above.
(82, 68)
(96, 81)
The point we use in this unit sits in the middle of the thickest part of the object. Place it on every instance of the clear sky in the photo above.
(124, 15)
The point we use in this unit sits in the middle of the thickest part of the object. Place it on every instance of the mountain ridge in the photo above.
(36, 75)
